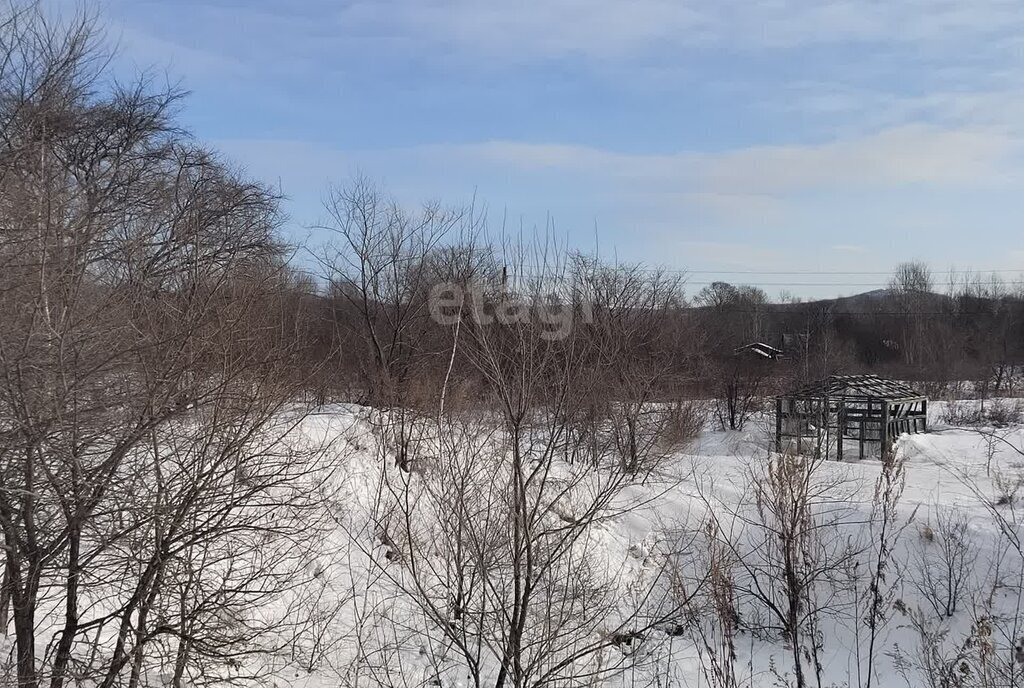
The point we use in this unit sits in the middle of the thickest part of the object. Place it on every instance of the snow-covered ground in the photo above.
(949, 520)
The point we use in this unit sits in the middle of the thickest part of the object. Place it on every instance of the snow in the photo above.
(366, 631)
(945, 469)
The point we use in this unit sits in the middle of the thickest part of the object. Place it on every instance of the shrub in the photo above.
(962, 413)
(1002, 412)
(997, 413)
(684, 420)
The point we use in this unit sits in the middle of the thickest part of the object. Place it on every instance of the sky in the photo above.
(754, 141)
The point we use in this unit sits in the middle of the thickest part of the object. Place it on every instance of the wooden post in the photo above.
(801, 416)
(924, 415)
(863, 423)
(840, 429)
(778, 424)
(885, 431)
(823, 427)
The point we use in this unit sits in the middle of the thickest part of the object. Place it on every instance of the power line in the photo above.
(567, 278)
(833, 272)
(561, 272)
(795, 309)
(563, 263)
(802, 284)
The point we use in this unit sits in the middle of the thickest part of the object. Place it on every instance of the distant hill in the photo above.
(865, 302)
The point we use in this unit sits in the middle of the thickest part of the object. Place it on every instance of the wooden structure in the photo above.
(865, 411)
(759, 350)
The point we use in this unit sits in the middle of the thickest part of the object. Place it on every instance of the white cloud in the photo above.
(606, 29)
(911, 154)
(905, 155)
(760, 208)
(728, 255)
(542, 30)
(780, 192)
(604, 32)
(148, 51)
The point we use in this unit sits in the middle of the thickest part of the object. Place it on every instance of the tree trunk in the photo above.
(67, 636)
(25, 631)
(5, 599)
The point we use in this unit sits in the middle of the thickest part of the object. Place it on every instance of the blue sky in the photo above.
(708, 135)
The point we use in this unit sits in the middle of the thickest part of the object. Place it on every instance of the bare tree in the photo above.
(138, 283)
(381, 268)
(886, 528)
(381, 271)
(493, 537)
(912, 277)
(730, 318)
(944, 561)
(788, 552)
(714, 618)
(992, 647)
(740, 387)
(625, 316)
(911, 286)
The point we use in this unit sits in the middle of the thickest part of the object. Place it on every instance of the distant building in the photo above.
(759, 350)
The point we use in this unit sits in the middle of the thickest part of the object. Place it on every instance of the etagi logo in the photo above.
(555, 317)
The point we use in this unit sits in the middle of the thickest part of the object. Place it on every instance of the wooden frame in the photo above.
(866, 409)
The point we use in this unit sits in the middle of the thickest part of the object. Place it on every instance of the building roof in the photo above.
(857, 387)
(759, 349)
